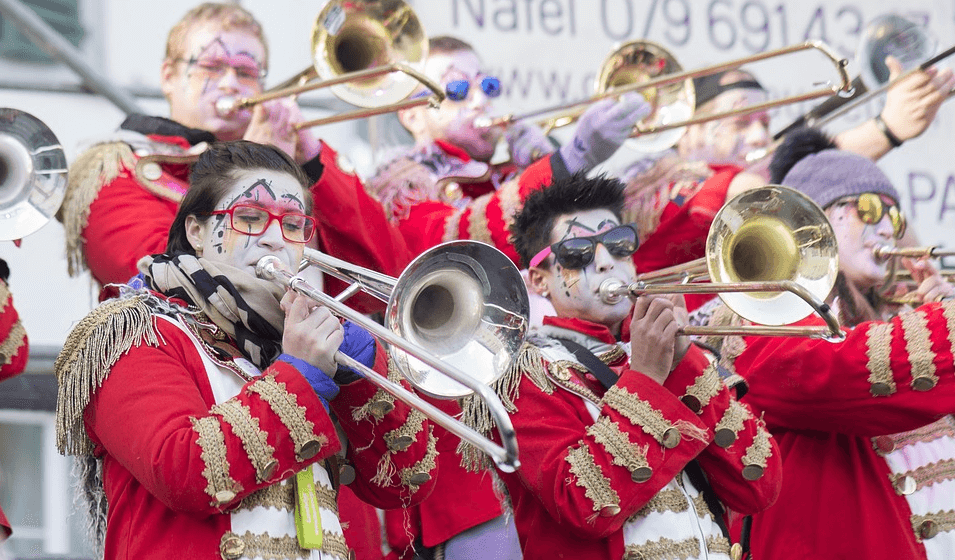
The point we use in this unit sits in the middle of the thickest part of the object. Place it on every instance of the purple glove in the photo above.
(602, 129)
(527, 143)
(359, 345)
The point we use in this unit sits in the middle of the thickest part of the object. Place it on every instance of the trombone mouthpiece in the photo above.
(882, 253)
(226, 106)
(612, 290)
(267, 266)
(483, 122)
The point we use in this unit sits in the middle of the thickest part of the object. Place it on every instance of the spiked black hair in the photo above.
(795, 146)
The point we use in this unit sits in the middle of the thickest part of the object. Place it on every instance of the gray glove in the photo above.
(602, 129)
(527, 143)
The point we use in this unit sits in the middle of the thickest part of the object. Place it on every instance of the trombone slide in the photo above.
(505, 457)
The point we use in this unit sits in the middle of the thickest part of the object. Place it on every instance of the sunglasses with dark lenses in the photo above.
(457, 90)
(254, 220)
(872, 207)
(578, 252)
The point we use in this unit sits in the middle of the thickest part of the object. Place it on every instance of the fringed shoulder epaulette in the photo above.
(728, 347)
(90, 351)
(476, 414)
(90, 172)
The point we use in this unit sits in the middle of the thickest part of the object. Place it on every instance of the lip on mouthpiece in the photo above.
(609, 291)
(226, 106)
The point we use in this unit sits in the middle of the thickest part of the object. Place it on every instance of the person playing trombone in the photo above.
(865, 426)
(203, 402)
(616, 412)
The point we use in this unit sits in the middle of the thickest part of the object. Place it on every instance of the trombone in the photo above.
(639, 60)
(460, 302)
(771, 255)
(367, 51)
(896, 275)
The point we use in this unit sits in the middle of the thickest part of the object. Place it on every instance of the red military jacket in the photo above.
(828, 406)
(582, 479)
(176, 463)
(114, 217)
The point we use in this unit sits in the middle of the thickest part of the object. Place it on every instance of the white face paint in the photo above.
(727, 141)
(453, 121)
(274, 191)
(214, 64)
(857, 240)
(574, 292)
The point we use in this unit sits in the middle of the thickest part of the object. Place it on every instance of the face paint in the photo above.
(274, 191)
(215, 63)
(727, 141)
(574, 292)
(856, 241)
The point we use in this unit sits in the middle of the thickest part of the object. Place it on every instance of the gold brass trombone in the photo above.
(771, 255)
(638, 61)
(896, 275)
(461, 302)
(367, 52)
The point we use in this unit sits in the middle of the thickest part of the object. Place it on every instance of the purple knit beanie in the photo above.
(829, 175)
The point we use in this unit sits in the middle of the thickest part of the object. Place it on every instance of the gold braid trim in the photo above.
(221, 487)
(509, 197)
(265, 546)
(717, 544)
(926, 475)
(426, 465)
(474, 411)
(929, 432)
(591, 478)
(285, 406)
(732, 421)
(91, 349)
(760, 450)
(878, 350)
(381, 403)
(254, 439)
(948, 311)
(280, 496)
(702, 510)
(452, 226)
(638, 411)
(927, 526)
(664, 500)
(624, 452)
(562, 371)
(15, 340)
(478, 229)
(327, 498)
(410, 429)
(919, 347)
(664, 549)
(706, 386)
(90, 172)
(334, 543)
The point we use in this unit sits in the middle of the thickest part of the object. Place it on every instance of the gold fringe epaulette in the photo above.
(91, 349)
(93, 169)
(475, 412)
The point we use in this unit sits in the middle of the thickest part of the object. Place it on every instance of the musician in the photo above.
(114, 216)
(194, 402)
(14, 352)
(615, 412)
(854, 486)
(445, 188)
(675, 200)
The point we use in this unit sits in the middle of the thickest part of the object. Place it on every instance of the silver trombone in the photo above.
(462, 301)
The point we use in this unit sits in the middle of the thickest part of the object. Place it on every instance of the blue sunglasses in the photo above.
(457, 90)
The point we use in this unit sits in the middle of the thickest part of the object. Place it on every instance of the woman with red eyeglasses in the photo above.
(205, 404)
(864, 426)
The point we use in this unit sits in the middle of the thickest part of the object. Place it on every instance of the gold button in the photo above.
(906, 485)
(692, 403)
(725, 437)
(379, 409)
(922, 383)
(884, 444)
(609, 510)
(880, 389)
(452, 191)
(752, 472)
(641, 474)
(928, 529)
(266, 472)
(309, 449)
(736, 551)
(151, 171)
(224, 496)
(420, 478)
(231, 546)
(671, 438)
(346, 474)
(400, 443)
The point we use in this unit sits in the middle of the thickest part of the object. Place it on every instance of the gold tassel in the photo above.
(91, 171)
(91, 349)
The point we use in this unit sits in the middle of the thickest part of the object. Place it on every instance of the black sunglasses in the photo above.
(578, 252)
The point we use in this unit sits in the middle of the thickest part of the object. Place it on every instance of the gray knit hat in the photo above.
(829, 175)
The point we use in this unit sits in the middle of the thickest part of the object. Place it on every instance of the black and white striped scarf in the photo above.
(245, 307)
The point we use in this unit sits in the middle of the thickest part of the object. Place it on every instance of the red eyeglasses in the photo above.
(254, 220)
